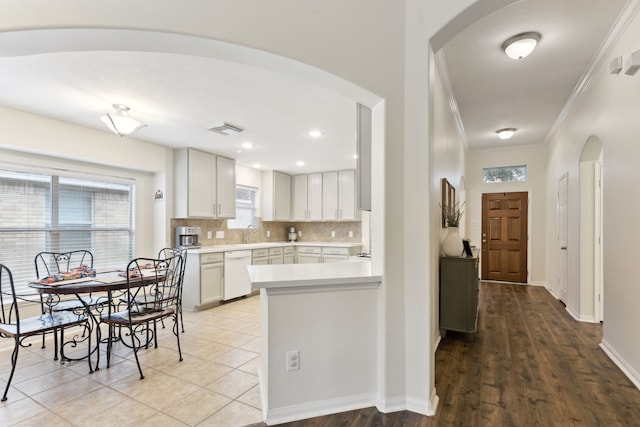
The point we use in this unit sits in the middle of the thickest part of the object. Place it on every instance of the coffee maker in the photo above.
(187, 237)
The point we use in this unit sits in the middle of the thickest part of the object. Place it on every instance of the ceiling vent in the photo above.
(226, 129)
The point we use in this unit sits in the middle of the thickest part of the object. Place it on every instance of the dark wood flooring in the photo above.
(531, 364)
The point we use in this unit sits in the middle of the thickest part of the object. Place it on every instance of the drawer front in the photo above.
(276, 251)
(209, 258)
(289, 250)
(335, 251)
(309, 250)
(258, 253)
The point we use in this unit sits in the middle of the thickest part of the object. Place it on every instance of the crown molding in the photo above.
(441, 65)
(623, 21)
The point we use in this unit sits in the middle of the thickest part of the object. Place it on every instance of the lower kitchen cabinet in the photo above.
(203, 281)
(459, 295)
(309, 254)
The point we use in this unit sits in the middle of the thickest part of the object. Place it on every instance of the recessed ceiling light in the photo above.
(506, 133)
(521, 45)
(247, 145)
(315, 133)
(355, 156)
(299, 163)
(256, 165)
(239, 151)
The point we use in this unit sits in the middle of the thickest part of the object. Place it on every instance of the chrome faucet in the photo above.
(246, 233)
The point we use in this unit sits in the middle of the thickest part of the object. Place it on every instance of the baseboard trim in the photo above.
(393, 404)
(631, 373)
(319, 408)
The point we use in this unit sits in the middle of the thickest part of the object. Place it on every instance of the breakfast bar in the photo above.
(319, 328)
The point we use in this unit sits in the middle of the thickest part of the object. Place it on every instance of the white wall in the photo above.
(447, 158)
(608, 109)
(535, 158)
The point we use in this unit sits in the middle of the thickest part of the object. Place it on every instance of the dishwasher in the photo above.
(236, 276)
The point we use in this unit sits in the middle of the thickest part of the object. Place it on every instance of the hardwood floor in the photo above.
(531, 364)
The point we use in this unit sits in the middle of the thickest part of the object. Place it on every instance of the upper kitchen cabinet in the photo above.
(307, 197)
(339, 196)
(204, 185)
(276, 196)
(226, 187)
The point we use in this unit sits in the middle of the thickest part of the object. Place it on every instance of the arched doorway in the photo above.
(591, 283)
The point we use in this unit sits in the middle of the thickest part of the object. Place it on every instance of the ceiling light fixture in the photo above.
(247, 145)
(299, 163)
(521, 45)
(506, 133)
(120, 123)
(315, 133)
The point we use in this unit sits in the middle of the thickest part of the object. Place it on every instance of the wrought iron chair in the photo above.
(18, 328)
(153, 292)
(168, 253)
(56, 266)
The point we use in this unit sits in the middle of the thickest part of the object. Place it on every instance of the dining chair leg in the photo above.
(109, 344)
(135, 350)
(14, 361)
(175, 324)
(55, 344)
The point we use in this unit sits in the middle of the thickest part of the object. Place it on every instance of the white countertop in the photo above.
(249, 246)
(322, 274)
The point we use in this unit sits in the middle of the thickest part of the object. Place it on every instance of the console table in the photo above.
(459, 295)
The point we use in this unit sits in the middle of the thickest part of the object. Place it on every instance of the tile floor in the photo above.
(215, 385)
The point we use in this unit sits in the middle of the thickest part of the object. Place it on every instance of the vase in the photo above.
(452, 244)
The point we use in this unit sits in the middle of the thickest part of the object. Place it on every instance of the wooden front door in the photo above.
(504, 236)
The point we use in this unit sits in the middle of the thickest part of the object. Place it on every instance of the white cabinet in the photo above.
(201, 190)
(260, 257)
(289, 255)
(276, 196)
(203, 281)
(330, 254)
(339, 196)
(309, 254)
(276, 255)
(307, 197)
(226, 187)
(211, 278)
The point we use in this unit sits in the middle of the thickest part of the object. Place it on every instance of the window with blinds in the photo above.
(245, 208)
(48, 212)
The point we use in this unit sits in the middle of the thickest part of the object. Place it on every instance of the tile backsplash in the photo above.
(278, 231)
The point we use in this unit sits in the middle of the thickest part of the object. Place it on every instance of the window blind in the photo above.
(56, 213)
(246, 207)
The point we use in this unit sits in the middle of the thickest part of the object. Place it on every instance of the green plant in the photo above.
(452, 214)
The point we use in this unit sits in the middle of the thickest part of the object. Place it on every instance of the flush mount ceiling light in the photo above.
(225, 128)
(506, 133)
(521, 45)
(315, 133)
(120, 123)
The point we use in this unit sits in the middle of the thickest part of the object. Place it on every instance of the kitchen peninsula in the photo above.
(319, 329)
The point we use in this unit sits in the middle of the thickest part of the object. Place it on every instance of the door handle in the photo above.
(484, 241)
(564, 248)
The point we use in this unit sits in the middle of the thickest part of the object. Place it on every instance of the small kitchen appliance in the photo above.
(292, 234)
(187, 236)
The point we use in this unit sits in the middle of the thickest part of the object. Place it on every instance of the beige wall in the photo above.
(535, 158)
(607, 109)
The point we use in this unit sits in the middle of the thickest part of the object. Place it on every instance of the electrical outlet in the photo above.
(220, 234)
(333, 233)
(293, 360)
(350, 233)
(299, 233)
(209, 235)
(268, 233)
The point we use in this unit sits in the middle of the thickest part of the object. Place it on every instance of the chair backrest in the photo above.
(164, 278)
(8, 302)
(51, 263)
(171, 252)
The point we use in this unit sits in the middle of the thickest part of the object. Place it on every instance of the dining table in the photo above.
(103, 288)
